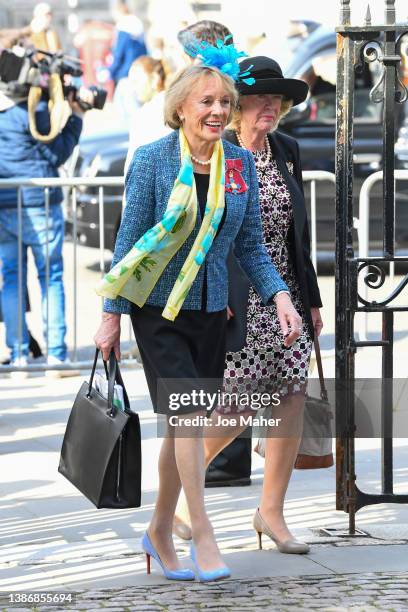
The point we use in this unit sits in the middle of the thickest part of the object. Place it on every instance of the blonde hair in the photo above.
(235, 123)
(151, 67)
(183, 84)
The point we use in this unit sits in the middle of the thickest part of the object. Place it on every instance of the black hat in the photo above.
(269, 79)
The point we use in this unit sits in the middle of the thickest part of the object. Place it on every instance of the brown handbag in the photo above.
(316, 452)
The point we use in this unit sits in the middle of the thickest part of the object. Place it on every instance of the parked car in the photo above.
(99, 156)
(313, 126)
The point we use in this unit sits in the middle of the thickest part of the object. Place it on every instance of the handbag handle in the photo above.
(113, 375)
(323, 390)
(112, 370)
(88, 395)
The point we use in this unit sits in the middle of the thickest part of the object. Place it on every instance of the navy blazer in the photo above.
(284, 149)
(149, 183)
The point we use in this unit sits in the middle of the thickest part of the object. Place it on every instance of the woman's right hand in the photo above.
(108, 335)
(289, 319)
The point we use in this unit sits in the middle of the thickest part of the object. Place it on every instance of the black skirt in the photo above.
(182, 357)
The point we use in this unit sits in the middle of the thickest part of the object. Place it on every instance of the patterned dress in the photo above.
(264, 364)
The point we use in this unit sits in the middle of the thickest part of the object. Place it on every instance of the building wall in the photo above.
(17, 13)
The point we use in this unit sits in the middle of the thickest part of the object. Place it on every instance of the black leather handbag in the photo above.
(101, 450)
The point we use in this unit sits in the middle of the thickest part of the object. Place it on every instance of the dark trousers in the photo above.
(233, 462)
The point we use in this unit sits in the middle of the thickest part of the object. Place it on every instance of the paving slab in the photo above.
(356, 559)
(395, 531)
(121, 563)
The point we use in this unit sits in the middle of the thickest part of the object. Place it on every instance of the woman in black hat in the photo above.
(257, 357)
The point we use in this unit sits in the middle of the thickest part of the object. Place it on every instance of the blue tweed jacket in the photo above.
(149, 182)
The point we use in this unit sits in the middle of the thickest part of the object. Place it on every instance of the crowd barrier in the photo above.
(71, 186)
(312, 177)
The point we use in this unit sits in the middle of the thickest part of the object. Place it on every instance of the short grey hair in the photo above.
(235, 123)
(183, 84)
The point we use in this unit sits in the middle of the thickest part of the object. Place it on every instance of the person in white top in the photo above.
(147, 80)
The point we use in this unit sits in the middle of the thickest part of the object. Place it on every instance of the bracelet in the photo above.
(279, 293)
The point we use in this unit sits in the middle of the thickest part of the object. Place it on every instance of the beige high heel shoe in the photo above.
(288, 546)
(181, 529)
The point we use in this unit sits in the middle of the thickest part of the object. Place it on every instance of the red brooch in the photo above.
(234, 181)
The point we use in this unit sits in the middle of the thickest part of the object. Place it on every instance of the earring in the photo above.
(181, 117)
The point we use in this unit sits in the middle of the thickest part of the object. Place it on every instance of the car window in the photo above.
(320, 74)
(323, 108)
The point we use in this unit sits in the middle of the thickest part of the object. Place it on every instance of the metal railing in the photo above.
(363, 229)
(376, 47)
(73, 184)
(47, 184)
(313, 176)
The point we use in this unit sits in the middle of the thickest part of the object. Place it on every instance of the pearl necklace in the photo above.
(258, 162)
(198, 161)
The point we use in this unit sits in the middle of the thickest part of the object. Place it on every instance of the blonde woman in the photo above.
(176, 212)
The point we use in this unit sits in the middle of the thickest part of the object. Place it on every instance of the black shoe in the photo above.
(219, 478)
(34, 347)
(222, 471)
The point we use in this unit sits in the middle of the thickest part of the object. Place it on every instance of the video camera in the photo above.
(22, 69)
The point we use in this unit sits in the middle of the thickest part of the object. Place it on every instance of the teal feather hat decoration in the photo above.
(222, 56)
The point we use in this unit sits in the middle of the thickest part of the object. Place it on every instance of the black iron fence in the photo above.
(377, 46)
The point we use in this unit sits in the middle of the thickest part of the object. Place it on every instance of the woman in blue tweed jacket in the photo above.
(198, 106)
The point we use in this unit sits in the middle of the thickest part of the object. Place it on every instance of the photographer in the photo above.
(22, 156)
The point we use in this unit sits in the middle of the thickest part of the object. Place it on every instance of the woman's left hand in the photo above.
(317, 320)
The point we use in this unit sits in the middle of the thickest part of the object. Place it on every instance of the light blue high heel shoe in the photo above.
(181, 574)
(208, 575)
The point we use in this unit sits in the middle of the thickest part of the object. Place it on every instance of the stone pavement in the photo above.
(51, 538)
(364, 593)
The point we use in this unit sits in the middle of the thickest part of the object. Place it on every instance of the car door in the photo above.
(315, 132)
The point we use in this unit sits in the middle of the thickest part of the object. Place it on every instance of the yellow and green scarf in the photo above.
(135, 276)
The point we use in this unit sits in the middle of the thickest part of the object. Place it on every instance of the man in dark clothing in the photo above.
(21, 156)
